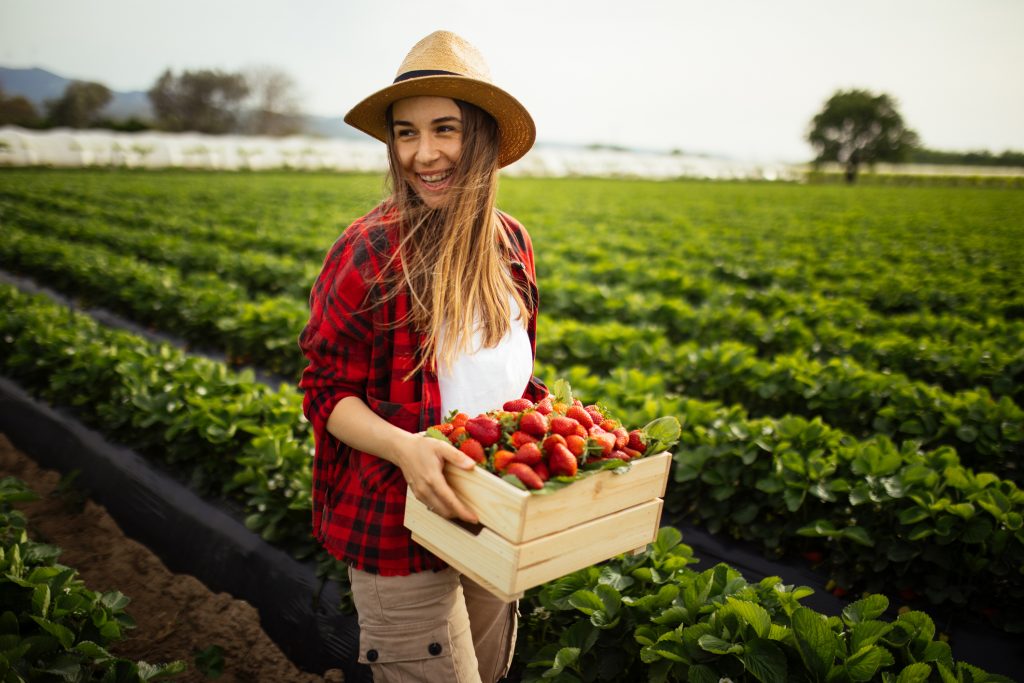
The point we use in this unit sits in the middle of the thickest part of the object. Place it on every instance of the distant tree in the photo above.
(857, 127)
(17, 111)
(79, 106)
(272, 107)
(205, 101)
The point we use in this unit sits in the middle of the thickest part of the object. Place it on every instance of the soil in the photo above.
(176, 615)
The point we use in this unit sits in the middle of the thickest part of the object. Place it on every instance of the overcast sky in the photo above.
(740, 78)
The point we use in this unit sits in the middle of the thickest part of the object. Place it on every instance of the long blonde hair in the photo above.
(453, 258)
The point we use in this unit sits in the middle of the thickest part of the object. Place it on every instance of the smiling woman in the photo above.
(425, 305)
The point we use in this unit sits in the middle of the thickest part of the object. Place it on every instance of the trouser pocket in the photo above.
(409, 652)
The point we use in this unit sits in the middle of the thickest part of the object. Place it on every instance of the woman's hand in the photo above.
(422, 461)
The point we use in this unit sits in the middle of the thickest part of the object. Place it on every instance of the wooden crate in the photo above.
(524, 540)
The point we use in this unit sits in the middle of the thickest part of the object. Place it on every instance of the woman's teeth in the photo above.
(436, 178)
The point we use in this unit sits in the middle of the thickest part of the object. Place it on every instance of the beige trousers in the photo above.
(432, 627)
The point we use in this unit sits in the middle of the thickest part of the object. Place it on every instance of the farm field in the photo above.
(847, 363)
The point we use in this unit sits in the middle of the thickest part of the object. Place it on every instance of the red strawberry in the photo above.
(839, 591)
(631, 453)
(580, 415)
(457, 434)
(460, 420)
(577, 444)
(445, 428)
(564, 425)
(550, 442)
(636, 441)
(609, 425)
(520, 438)
(581, 431)
(529, 454)
(606, 441)
(484, 429)
(526, 475)
(595, 414)
(502, 458)
(517, 405)
(534, 423)
(473, 449)
(621, 437)
(577, 402)
(544, 406)
(561, 462)
(813, 556)
(542, 471)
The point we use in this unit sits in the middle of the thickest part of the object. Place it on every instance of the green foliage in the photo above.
(650, 617)
(52, 627)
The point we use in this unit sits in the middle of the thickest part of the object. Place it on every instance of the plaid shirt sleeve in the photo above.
(336, 343)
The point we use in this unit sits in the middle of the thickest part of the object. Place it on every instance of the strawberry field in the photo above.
(847, 365)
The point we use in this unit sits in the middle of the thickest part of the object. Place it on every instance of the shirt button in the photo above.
(434, 649)
(372, 655)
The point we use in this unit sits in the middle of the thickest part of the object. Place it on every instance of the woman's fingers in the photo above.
(426, 478)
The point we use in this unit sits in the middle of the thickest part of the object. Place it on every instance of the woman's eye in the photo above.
(404, 132)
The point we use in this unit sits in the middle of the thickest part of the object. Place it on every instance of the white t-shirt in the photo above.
(482, 379)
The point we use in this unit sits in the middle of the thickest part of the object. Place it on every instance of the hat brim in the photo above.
(516, 130)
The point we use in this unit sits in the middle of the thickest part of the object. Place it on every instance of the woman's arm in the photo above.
(420, 458)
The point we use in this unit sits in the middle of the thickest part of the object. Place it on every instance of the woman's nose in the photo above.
(426, 151)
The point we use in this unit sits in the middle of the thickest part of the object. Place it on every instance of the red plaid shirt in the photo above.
(358, 498)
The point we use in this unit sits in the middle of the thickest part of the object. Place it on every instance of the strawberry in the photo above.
(445, 428)
(561, 462)
(502, 458)
(636, 441)
(526, 475)
(609, 425)
(484, 429)
(578, 403)
(619, 455)
(550, 442)
(457, 435)
(577, 444)
(542, 471)
(631, 453)
(520, 438)
(528, 454)
(460, 420)
(606, 441)
(581, 431)
(473, 449)
(517, 405)
(621, 437)
(534, 423)
(595, 414)
(580, 415)
(839, 591)
(813, 556)
(563, 425)
(544, 406)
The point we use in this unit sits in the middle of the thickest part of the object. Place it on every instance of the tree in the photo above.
(79, 106)
(272, 106)
(857, 127)
(205, 101)
(17, 111)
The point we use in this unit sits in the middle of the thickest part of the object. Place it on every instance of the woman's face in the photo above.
(428, 141)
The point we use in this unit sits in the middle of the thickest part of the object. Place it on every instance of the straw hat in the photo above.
(445, 65)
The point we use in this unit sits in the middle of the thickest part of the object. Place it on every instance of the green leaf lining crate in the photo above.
(524, 539)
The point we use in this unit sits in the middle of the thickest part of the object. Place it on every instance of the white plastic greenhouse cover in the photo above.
(65, 147)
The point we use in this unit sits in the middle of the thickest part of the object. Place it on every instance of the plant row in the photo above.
(53, 627)
(875, 516)
(200, 308)
(257, 271)
(956, 366)
(987, 432)
(225, 433)
(236, 438)
(651, 617)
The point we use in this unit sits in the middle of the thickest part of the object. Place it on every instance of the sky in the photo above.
(734, 78)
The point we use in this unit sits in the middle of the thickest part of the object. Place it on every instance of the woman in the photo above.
(426, 304)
